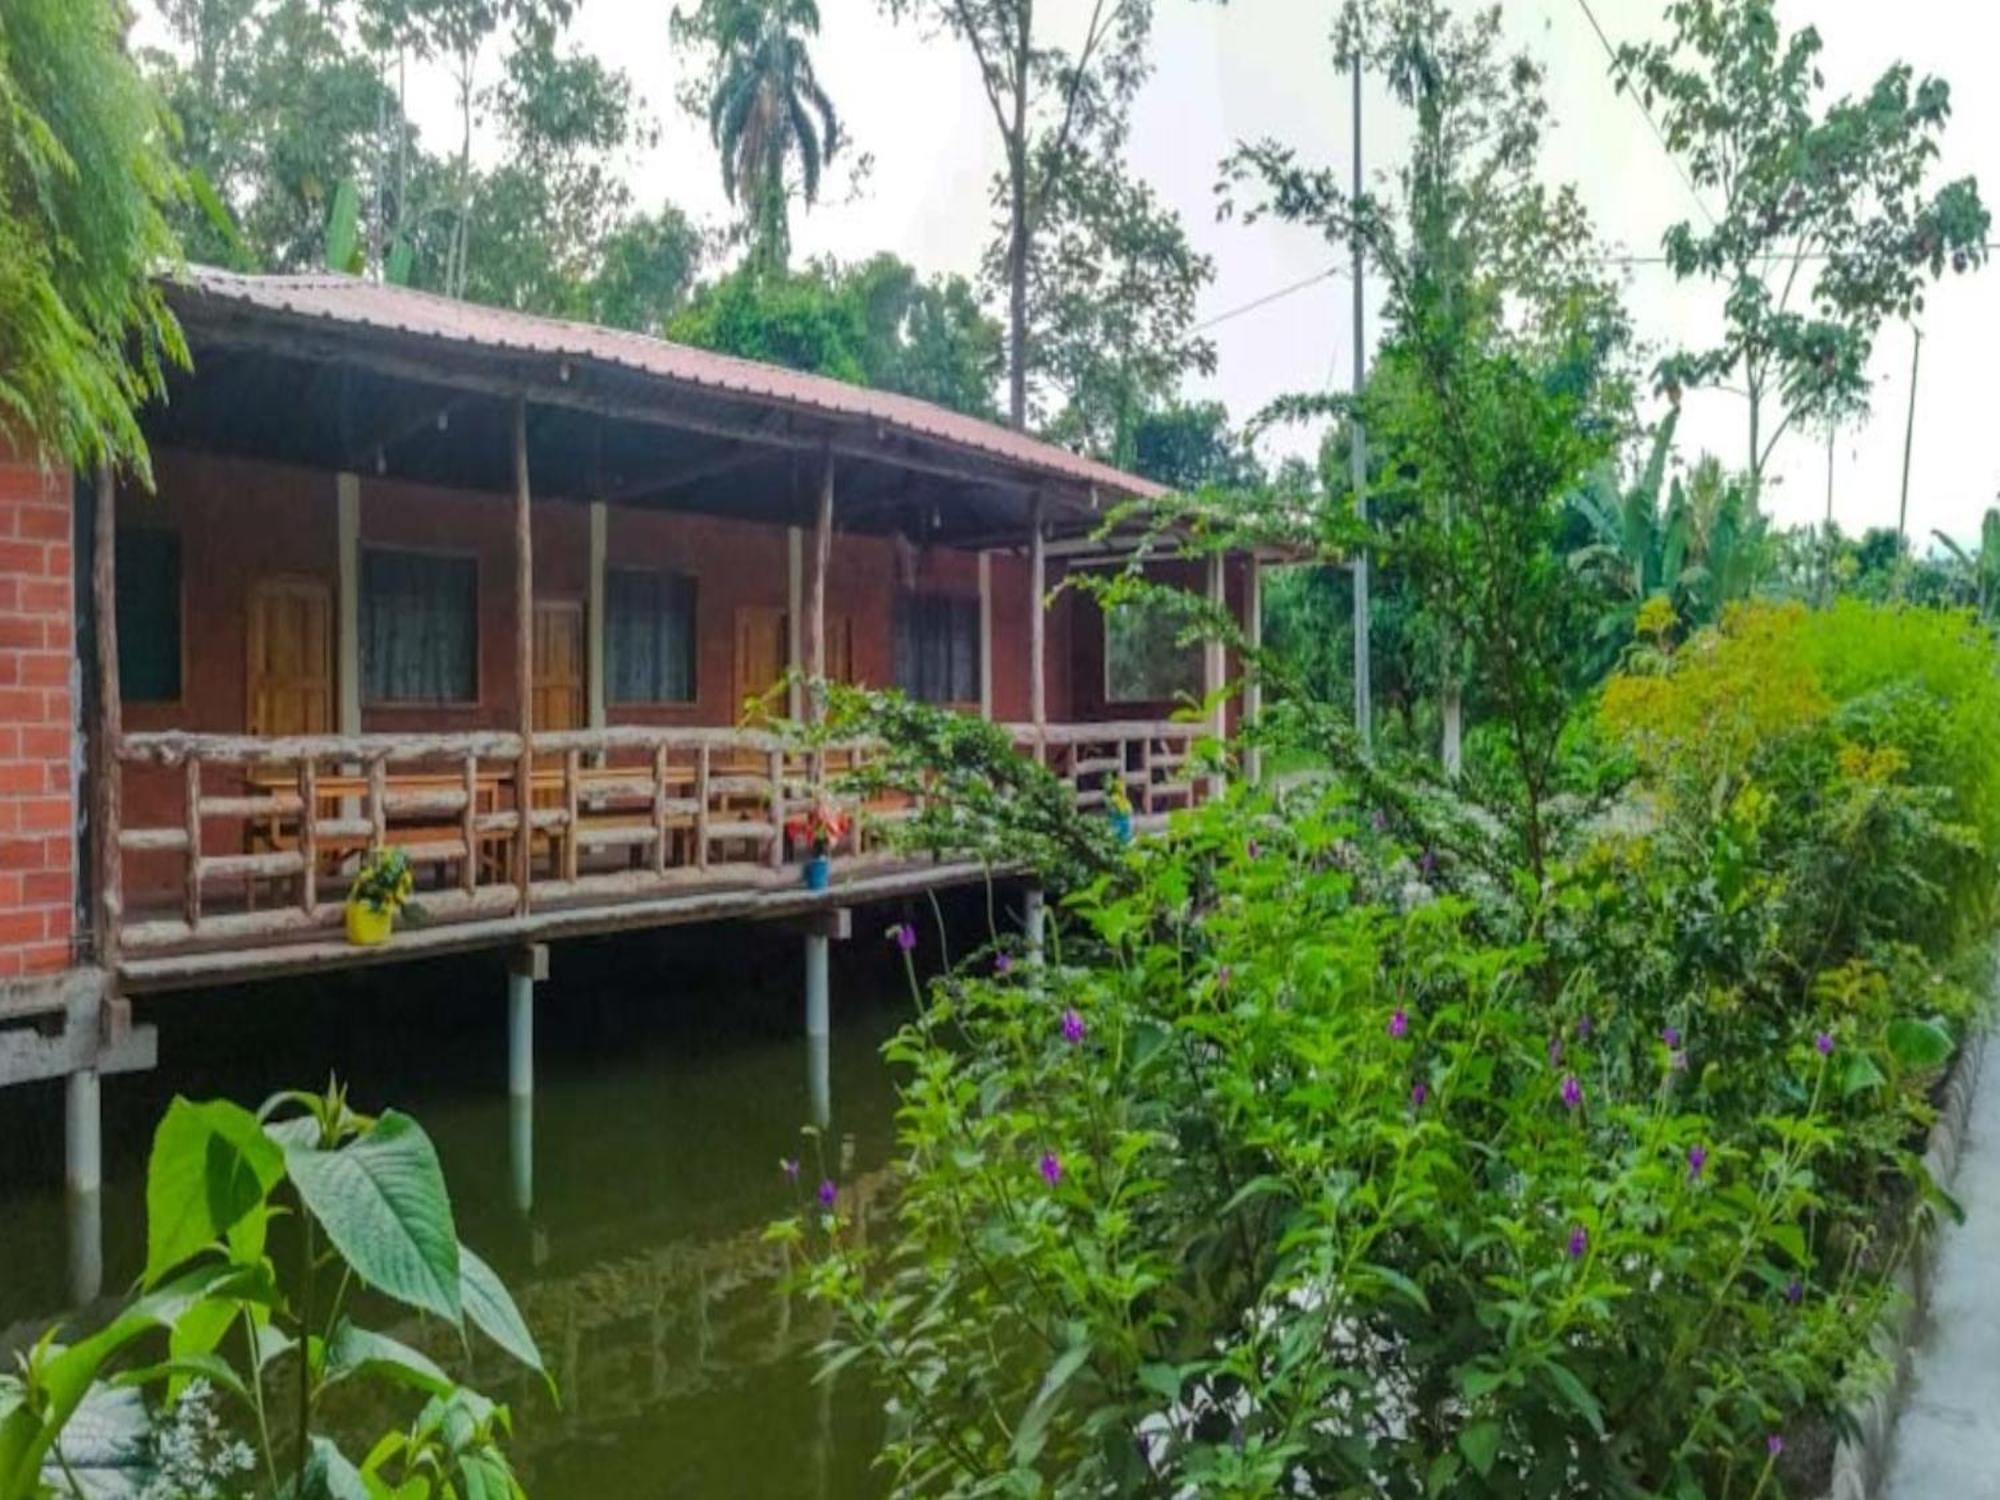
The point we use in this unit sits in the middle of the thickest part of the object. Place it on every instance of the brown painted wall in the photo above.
(1084, 652)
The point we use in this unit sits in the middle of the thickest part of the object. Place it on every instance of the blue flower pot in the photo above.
(819, 870)
(1121, 825)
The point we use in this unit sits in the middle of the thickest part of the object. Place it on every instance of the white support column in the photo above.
(83, 1139)
(795, 609)
(526, 967)
(1034, 921)
(347, 629)
(593, 622)
(521, 1150)
(986, 635)
(1253, 682)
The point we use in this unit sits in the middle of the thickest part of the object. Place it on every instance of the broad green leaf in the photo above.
(1573, 1392)
(1862, 1075)
(343, 229)
(381, 1200)
(492, 1310)
(329, 1474)
(353, 1351)
(1029, 1435)
(1480, 1443)
(1919, 1044)
(210, 1170)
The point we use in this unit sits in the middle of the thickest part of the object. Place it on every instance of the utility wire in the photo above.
(1267, 299)
(1611, 56)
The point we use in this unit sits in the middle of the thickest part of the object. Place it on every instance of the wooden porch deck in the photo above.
(625, 828)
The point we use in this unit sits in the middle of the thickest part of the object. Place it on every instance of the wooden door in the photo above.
(558, 665)
(290, 640)
(760, 663)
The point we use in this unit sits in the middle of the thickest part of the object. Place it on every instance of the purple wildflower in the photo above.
(1073, 1028)
(1555, 1051)
(1381, 821)
(1419, 1092)
(1399, 1024)
(1572, 1091)
(1697, 1159)
(1579, 1242)
(1678, 1062)
(1583, 1028)
(1795, 1291)
(1774, 1445)
(1427, 865)
(1003, 964)
(1824, 1042)
(1252, 849)
(904, 936)
(1672, 1037)
(827, 1193)
(1051, 1168)
(1222, 975)
(790, 1167)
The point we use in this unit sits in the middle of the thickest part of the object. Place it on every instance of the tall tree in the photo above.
(1111, 292)
(767, 112)
(1825, 227)
(1055, 108)
(84, 332)
(646, 268)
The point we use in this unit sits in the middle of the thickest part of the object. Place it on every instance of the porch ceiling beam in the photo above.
(404, 428)
(555, 382)
(712, 467)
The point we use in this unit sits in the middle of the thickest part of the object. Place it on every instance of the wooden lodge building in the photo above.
(502, 592)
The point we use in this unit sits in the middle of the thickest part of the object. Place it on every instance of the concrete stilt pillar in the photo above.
(1034, 921)
(819, 1080)
(86, 1247)
(521, 1150)
(525, 969)
(819, 1017)
(83, 1143)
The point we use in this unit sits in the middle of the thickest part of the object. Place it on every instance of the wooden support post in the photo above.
(191, 896)
(572, 807)
(1213, 661)
(795, 610)
(777, 852)
(701, 807)
(524, 661)
(309, 835)
(1253, 679)
(107, 785)
(816, 601)
(347, 629)
(593, 621)
(468, 875)
(986, 635)
(1038, 587)
(378, 805)
(660, 809)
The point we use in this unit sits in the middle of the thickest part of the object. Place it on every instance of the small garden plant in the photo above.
(263, 1231)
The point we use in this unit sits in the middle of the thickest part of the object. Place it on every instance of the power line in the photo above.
(1267, 299)
(1611, 55)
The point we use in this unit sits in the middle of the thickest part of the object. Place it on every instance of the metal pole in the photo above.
(83, 1136)
(1826, 531)
(1909, 432)
(819, 1020)
(1358, 464)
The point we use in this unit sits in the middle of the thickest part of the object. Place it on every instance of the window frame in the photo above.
(180, 593)
(960, 606)
(447, 554)
(1113, 700)
(612, 699)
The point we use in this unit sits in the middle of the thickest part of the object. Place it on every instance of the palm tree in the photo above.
(766, 109)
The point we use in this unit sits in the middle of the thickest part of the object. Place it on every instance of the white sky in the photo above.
(1263, 67)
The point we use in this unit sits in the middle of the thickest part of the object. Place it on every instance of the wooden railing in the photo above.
(232, 841)
(1154, 760)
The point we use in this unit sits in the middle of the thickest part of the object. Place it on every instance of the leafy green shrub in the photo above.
(262, 1231)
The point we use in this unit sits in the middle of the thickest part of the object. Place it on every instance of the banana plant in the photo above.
(1978, 573)
(271, 1321)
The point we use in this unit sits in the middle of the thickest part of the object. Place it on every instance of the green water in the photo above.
(671, 1077)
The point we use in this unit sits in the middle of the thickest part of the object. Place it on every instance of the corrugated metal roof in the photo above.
(352, 302)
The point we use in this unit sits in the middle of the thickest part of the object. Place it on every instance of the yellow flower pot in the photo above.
(367, 927)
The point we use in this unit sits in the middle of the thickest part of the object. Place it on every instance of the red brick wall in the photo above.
(37, 739)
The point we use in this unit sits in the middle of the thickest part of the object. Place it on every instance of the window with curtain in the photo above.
(649, 627)
(149, 614)
(419, 628)
(937, 648)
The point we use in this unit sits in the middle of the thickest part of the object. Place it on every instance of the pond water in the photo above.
(672, 1074)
